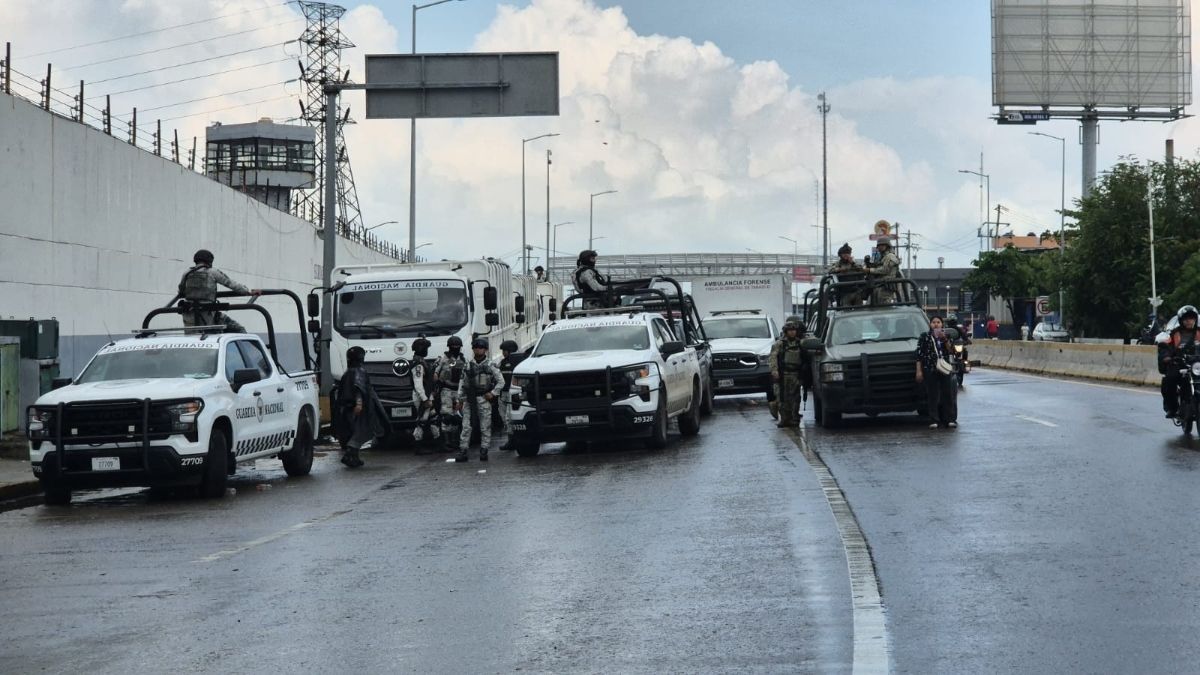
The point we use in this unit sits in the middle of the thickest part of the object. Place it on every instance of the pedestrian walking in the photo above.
(198, 287)
(360, 417)
(447, 375)
(787, 372)
(935, 369)
(481, 384)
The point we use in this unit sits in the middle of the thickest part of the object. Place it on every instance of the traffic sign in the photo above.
(1043, 305)
(802, 274)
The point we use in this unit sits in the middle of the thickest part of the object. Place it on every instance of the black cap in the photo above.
(203, 256)
(479, 343)
(845, 249)
(421, 346)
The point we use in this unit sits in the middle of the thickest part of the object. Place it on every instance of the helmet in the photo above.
(793, 323)
(355, 355)
(479, 343)
(845, 249)
(884, 241)
(1186, 310)
(454, 342)
(203, 257)
(509, 346)
(585, 254)
(420, 346)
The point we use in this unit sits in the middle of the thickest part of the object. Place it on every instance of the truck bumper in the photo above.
(756, 381)
(858, 400)
(156, 465)
(582, 423)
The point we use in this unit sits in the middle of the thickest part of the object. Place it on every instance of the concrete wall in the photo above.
(1131, 364)
(96, 232)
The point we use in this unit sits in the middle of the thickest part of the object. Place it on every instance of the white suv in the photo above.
(741, 344)
(607, 374)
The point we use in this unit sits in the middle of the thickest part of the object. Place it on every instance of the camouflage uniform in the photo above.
(787, 366)
(423, 383)
(479, 377)
(447, 373)
(886, 269)
(199, 285)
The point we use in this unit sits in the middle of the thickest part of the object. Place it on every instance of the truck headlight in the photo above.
(639, 379)
(521, 381)
(832, 368)
(184, 415)
(39, 421)
(1196, 369)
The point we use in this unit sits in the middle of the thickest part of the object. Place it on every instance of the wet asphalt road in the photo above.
(1052, 532)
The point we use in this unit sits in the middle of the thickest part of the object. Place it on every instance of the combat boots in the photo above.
(483, 451)
(462, 456)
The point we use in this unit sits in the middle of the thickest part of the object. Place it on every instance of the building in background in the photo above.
(262, 159)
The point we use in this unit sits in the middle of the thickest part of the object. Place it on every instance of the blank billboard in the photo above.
(1103, 53)
(462, 85)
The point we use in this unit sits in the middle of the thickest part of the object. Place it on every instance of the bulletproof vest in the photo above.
(507, 365)
(791, 357)
(451, 369)
(197, 285)
(582, 288)
(426, 374)
(479, 378)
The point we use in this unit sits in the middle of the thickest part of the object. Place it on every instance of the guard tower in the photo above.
(263, 159)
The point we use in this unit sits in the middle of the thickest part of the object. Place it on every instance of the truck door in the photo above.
(671, 365)
(259, 409)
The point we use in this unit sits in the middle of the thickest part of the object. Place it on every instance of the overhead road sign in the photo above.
(511, 84)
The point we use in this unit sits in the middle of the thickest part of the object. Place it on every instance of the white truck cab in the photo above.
(741, 342)
(173, 407)
(617, 373)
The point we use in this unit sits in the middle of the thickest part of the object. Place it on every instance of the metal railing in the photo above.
(693, 265)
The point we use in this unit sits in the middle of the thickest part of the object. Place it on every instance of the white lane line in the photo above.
(1137, 389)
(1035, 420)
(221, 555)
(872, 644)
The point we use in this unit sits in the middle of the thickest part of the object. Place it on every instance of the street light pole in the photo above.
(795, 247)
(387, 222)
(547, 207)
(1062, 216)
(823, 107)
(988, 181)
(412, 149)
(554, 246)
(524, 250)
(591, 212)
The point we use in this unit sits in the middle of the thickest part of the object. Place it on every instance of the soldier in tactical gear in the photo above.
(481, 384)
(886, 268)
(359, 415)
(846, 262)
(590, 283)
(447, 375)
(423, 395)
(507, 364)
(788, 362)
(199, 286)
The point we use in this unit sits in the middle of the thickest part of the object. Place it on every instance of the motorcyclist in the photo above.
(1180, 341)
(962, 337)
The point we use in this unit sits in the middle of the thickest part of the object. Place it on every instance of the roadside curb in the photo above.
(18, 490)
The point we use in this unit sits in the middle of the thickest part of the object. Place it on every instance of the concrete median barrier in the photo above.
(1130, 364)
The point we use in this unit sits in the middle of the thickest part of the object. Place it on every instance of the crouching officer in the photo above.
(423, 395)
(481, 384)
(447, 375)
(787, 371)
(507, 364)
(199, 286)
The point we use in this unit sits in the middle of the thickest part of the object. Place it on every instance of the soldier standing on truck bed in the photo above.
(481, 384)
(885, 269)
(447, 374)
(590, 283)
(787, 372)
(423, 395)
(199, 286)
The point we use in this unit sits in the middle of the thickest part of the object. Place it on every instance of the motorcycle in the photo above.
(962, 365)
(1189, 403)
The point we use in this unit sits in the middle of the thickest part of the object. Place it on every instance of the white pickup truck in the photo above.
(168, 408)
(607, 374)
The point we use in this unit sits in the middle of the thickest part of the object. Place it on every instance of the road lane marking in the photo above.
(229, 553)
(872, 644)
(1137, 389)
(1035, 420)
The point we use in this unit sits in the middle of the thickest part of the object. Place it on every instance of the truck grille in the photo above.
(111, 421)
(732, 361)
(583, 386)
(387, 385)
(883, 379)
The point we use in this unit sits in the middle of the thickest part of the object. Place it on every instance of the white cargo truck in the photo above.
(768, 293)
(383, 308)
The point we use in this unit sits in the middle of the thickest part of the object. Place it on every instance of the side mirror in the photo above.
(553, 305)
(314, 305)
(59, 383)
(314, 326)
(491, 319)
(553, 317)
(671, 348)
(520, 318)
(812, 344)
(489, 299)
(519, 304)
(244, 376)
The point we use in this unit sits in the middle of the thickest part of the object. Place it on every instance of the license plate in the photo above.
(401, 412)
(578, 419)
(724, 384)
(106, 464)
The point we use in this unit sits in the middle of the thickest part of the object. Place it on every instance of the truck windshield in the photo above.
(737, 328)
(593, 338)
(401, 309)
(848, 330)
(150, 363)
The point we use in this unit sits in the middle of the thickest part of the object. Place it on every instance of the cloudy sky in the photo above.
(701, 114)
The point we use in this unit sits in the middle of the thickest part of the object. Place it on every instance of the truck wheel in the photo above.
(689, 422)
(830, 418)
(298, 460)
(216, 465)
(658, 439)
(706, 404)
(528, 449)
(56, 492)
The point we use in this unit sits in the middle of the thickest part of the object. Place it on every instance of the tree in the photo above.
(1009, 274)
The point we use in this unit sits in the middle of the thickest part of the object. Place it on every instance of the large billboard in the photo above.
(1126, 54)
(462, 85)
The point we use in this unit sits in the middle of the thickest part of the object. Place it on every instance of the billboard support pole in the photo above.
(329, 233)
(1089, 137)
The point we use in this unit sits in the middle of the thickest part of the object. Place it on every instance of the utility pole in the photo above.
(548, 162)
(823, 107)
(996, 231)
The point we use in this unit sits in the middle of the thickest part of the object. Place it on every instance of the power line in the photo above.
(197, 77)
(208, 98)
(189, 63)
(180, 46)
(156, 30)
(231, 107)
